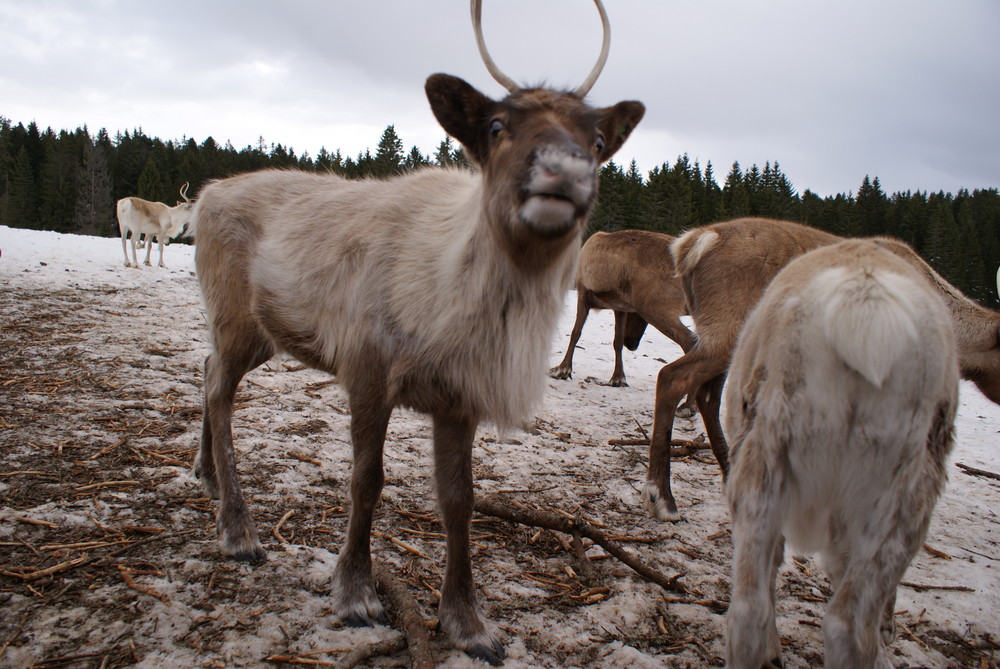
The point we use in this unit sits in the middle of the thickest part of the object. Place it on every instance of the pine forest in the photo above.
(69, 182)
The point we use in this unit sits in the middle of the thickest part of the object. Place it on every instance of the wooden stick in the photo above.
(402, 544)
(107, 484)
(537, 518)
(130, 582)
(920, 587)
(407, 614)
(977, 472)
(679, 447)
(362, 654)
(277, 527)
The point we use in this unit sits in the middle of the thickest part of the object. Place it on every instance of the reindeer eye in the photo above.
(599, 144)
(496, 127)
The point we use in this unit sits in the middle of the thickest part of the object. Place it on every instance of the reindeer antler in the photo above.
(184, 191)
(477, 25)
(508, 83)
(603, 58)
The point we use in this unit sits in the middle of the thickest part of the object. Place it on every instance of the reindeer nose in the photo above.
(567, 165)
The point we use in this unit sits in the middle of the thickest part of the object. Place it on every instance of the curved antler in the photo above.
(477, 25)
(603, 58)
(184, 191)
(508, 83)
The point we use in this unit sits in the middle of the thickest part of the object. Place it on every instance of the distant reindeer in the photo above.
(632, 273)
(438, 290)
(152, 219)
(725, 268)
(841, 403)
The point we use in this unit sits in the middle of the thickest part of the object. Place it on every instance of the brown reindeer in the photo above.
(725, 268)
(841, 403)
(437, 291)
(631, 272)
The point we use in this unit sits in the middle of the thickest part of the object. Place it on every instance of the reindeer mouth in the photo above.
(550, 215)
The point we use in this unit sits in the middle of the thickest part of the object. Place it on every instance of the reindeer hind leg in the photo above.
(224, 370)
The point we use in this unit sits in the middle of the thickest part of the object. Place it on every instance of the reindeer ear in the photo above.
(617, 124)
(462, 111)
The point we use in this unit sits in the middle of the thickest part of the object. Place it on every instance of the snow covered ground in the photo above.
(100, 394)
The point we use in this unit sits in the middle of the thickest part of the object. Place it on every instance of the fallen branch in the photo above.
(551, 521)
(407, 616)
(920, 587)
(130, 582)
(977, 472)
(362, 654)
(276, 530)
(89, 559)
(679, 447)
(714, 605)
(54, 569)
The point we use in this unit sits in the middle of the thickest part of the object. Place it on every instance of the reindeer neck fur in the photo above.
(490, 304)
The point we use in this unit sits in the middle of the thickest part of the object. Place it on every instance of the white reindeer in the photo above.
(152, 219)
(840, 408)
(438, 290)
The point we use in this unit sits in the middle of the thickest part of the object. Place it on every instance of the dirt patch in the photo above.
(108, 552)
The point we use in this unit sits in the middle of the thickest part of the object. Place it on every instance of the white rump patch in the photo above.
(869, 317)
(688, 253)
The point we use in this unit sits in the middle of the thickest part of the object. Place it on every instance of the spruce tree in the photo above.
(415, 159)
(94, 205)
(57, 186)
(735, 195)
(150, 184)
(444, 156)
(389, 154)
(22, 209)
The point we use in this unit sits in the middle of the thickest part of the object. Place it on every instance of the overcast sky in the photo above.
(906, 90)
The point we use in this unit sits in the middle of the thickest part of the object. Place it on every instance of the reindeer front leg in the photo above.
(353, 586)
(459, 611)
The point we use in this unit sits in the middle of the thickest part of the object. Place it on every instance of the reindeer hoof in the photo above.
(208, 483)
(560, 373)
(254, 556)
(493, 655)
(358, 620)
(661, 508)
(618, 383)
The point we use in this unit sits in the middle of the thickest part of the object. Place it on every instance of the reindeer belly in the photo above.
(294, 337)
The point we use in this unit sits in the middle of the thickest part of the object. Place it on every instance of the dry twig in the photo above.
(977, 472)
(276, 530)
(551, 521)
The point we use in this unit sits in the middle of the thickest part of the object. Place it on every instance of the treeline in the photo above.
(69, 182)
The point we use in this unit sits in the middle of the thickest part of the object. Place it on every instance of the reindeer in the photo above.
(631, 272)
(438, 290)
(841, 404)
(152, 219)
(725, 268)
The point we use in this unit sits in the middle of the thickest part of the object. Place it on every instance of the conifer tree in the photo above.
(445, 154)
(57, 185)
(94, 205)
(21, 207)
(389, 154)
(415, 159)
(735, 194)
(150, 185)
